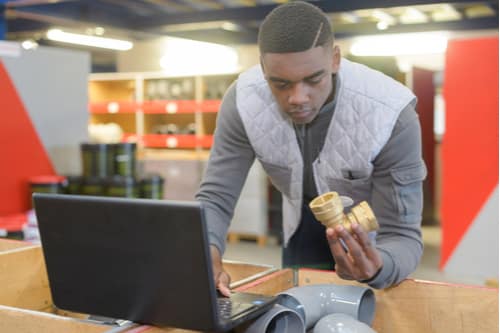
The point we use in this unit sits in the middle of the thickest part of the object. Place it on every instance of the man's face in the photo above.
(301, 82)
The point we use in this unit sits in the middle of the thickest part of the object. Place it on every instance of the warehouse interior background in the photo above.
(169, 53)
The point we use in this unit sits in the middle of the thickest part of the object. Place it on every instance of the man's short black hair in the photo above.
(294, 27)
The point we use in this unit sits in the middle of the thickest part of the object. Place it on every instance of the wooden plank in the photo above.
(153, 329)
(27, 321)
(270, 284)
(10, 244)
(234, 238)
(423, 306)
(24, 279)
(244, 272)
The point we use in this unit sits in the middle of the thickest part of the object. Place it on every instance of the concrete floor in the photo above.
(249, 251)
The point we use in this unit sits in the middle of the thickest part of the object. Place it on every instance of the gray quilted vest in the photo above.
(367, 107)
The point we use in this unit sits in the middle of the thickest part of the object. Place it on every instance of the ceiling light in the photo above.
(230, 26)
(29, 44)
(182, 57)
(72, 38)
(382, 25)
(479, 11)
(349, 17)
(412, 15)
(400, 44)
(383, 17)
(99, 31)
(446, 12)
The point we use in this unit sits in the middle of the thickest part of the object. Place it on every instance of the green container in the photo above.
(124, 159)
(93, 186)
(120, 186)
(74, 184)
(97, 159)
(47, 184)
(152, 187)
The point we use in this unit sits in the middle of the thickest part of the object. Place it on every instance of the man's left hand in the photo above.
(360, 260)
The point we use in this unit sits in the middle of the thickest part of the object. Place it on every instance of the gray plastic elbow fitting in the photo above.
(314, 302)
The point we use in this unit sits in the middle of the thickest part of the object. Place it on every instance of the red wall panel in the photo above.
(470, 142)
(424, 89)
(22, 153)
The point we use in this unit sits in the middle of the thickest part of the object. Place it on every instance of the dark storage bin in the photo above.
(74, 184)
(48, 184)
(93, 186)
(97, 159)
(124, 159)
(120, 186)
(151, 187)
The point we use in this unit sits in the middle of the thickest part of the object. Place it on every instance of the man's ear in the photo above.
(336, 58)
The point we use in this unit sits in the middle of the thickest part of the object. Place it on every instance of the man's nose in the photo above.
(299, 94)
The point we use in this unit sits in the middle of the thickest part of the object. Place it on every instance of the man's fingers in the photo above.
(356, 252)
(342, 273)
(343, 263)
(358, 259)
(335, 244)
(364, 241)
(222, 283)
(224, 290)
(221, 278)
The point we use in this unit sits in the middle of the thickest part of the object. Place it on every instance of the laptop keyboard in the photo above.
(229, 308)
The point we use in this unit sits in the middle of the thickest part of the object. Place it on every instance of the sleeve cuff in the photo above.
(380, 280)
(214, 240)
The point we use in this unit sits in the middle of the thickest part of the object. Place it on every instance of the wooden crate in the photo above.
(413, 306)
(26, 303)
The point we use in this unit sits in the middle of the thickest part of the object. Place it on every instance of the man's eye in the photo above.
(314, 81)
(281, 85)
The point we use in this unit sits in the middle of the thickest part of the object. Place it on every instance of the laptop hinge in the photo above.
(122, 325)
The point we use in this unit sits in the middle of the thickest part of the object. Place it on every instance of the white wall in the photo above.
(53, 84)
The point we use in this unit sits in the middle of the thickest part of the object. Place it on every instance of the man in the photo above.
(319, 123)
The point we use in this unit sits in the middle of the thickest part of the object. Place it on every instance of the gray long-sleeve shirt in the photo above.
(396, 183)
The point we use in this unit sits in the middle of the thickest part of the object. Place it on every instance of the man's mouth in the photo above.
(300, 114)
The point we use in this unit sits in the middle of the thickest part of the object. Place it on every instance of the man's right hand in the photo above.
(221, 278)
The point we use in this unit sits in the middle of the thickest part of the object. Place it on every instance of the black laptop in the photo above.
(147, 261)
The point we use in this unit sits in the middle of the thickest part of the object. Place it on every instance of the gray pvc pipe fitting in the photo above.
(314, 302)
(341, 323)
(278, 319)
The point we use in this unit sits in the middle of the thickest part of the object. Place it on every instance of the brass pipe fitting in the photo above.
(329, 210)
